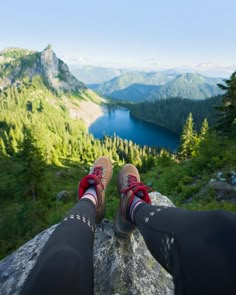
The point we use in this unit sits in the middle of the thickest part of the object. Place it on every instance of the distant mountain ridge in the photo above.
(141, 86)
(95, 75)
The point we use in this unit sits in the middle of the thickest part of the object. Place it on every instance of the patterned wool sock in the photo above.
(136, 202)
(90, 193)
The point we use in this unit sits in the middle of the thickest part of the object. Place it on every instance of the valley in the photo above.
(47, 117)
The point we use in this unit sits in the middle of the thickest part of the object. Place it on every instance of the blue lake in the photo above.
(120, 122)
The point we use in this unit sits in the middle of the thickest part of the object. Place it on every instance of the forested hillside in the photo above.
(172, 113)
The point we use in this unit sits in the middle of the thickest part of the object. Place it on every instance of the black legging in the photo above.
(197, 248)
(65, 265)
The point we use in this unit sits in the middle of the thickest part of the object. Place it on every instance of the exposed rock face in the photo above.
(45, 64)
(57, 73)
(224, 191)
(121, 266)
(224, 186)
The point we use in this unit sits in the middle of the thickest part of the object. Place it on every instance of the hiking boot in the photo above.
(99, 176)
(129, 186)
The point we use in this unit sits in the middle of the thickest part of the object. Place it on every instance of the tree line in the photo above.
(172, 113)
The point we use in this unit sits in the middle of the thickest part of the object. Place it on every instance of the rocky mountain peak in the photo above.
(49, 61)
(45, 64)
(57, 72)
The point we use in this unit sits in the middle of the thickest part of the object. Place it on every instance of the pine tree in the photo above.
(204, 130)
(32, 173)
(227, 110)
(13, 141)
(2, 147)
(188, 139)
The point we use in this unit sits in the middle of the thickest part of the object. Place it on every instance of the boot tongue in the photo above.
(142, 193)
(91, 181)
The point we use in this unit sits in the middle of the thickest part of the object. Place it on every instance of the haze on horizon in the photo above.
(150, 34)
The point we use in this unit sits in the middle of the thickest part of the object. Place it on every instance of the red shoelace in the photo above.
(132, 183)
(97, 171)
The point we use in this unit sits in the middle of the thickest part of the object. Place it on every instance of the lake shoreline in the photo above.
(114, 107)
(152, 122)
(119, 121)
(88, 111)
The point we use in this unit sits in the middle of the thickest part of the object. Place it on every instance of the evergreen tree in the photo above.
(188, 139)
(32, 174)
(227, 110)
(41, 106)
(2, 147)
(204, 130)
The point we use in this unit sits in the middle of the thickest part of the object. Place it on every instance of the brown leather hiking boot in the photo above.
(128, 186)
(101, 174)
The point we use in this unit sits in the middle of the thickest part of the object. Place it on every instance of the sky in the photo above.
(125, 33)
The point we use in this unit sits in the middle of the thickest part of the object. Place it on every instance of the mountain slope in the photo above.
(42, 72)
(128, 79)
(135, 92)
(194, 86)
(53, 70)
(133, 86)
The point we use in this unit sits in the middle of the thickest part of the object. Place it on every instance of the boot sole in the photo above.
(121, 228)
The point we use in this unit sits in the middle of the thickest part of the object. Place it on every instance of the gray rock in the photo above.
(233, 177)
(15, 268)
(47, 65)
(63, 195)
(121, 266)
(57, 73)
(233, 180)
(219, 174)
(224, 191)
(222, 179)
(64, 174)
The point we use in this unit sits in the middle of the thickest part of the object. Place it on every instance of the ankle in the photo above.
(133, 207)
(91, 194)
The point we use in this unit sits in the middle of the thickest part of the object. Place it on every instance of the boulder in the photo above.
(121, 266)
(224, 191)
(64, 195)
(233, 177)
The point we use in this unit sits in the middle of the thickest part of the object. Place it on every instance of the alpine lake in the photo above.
(118, 121)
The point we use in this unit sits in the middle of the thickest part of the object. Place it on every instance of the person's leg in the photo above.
(65, 265)
(197, 248)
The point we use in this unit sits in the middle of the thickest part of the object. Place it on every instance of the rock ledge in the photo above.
(120, 266)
